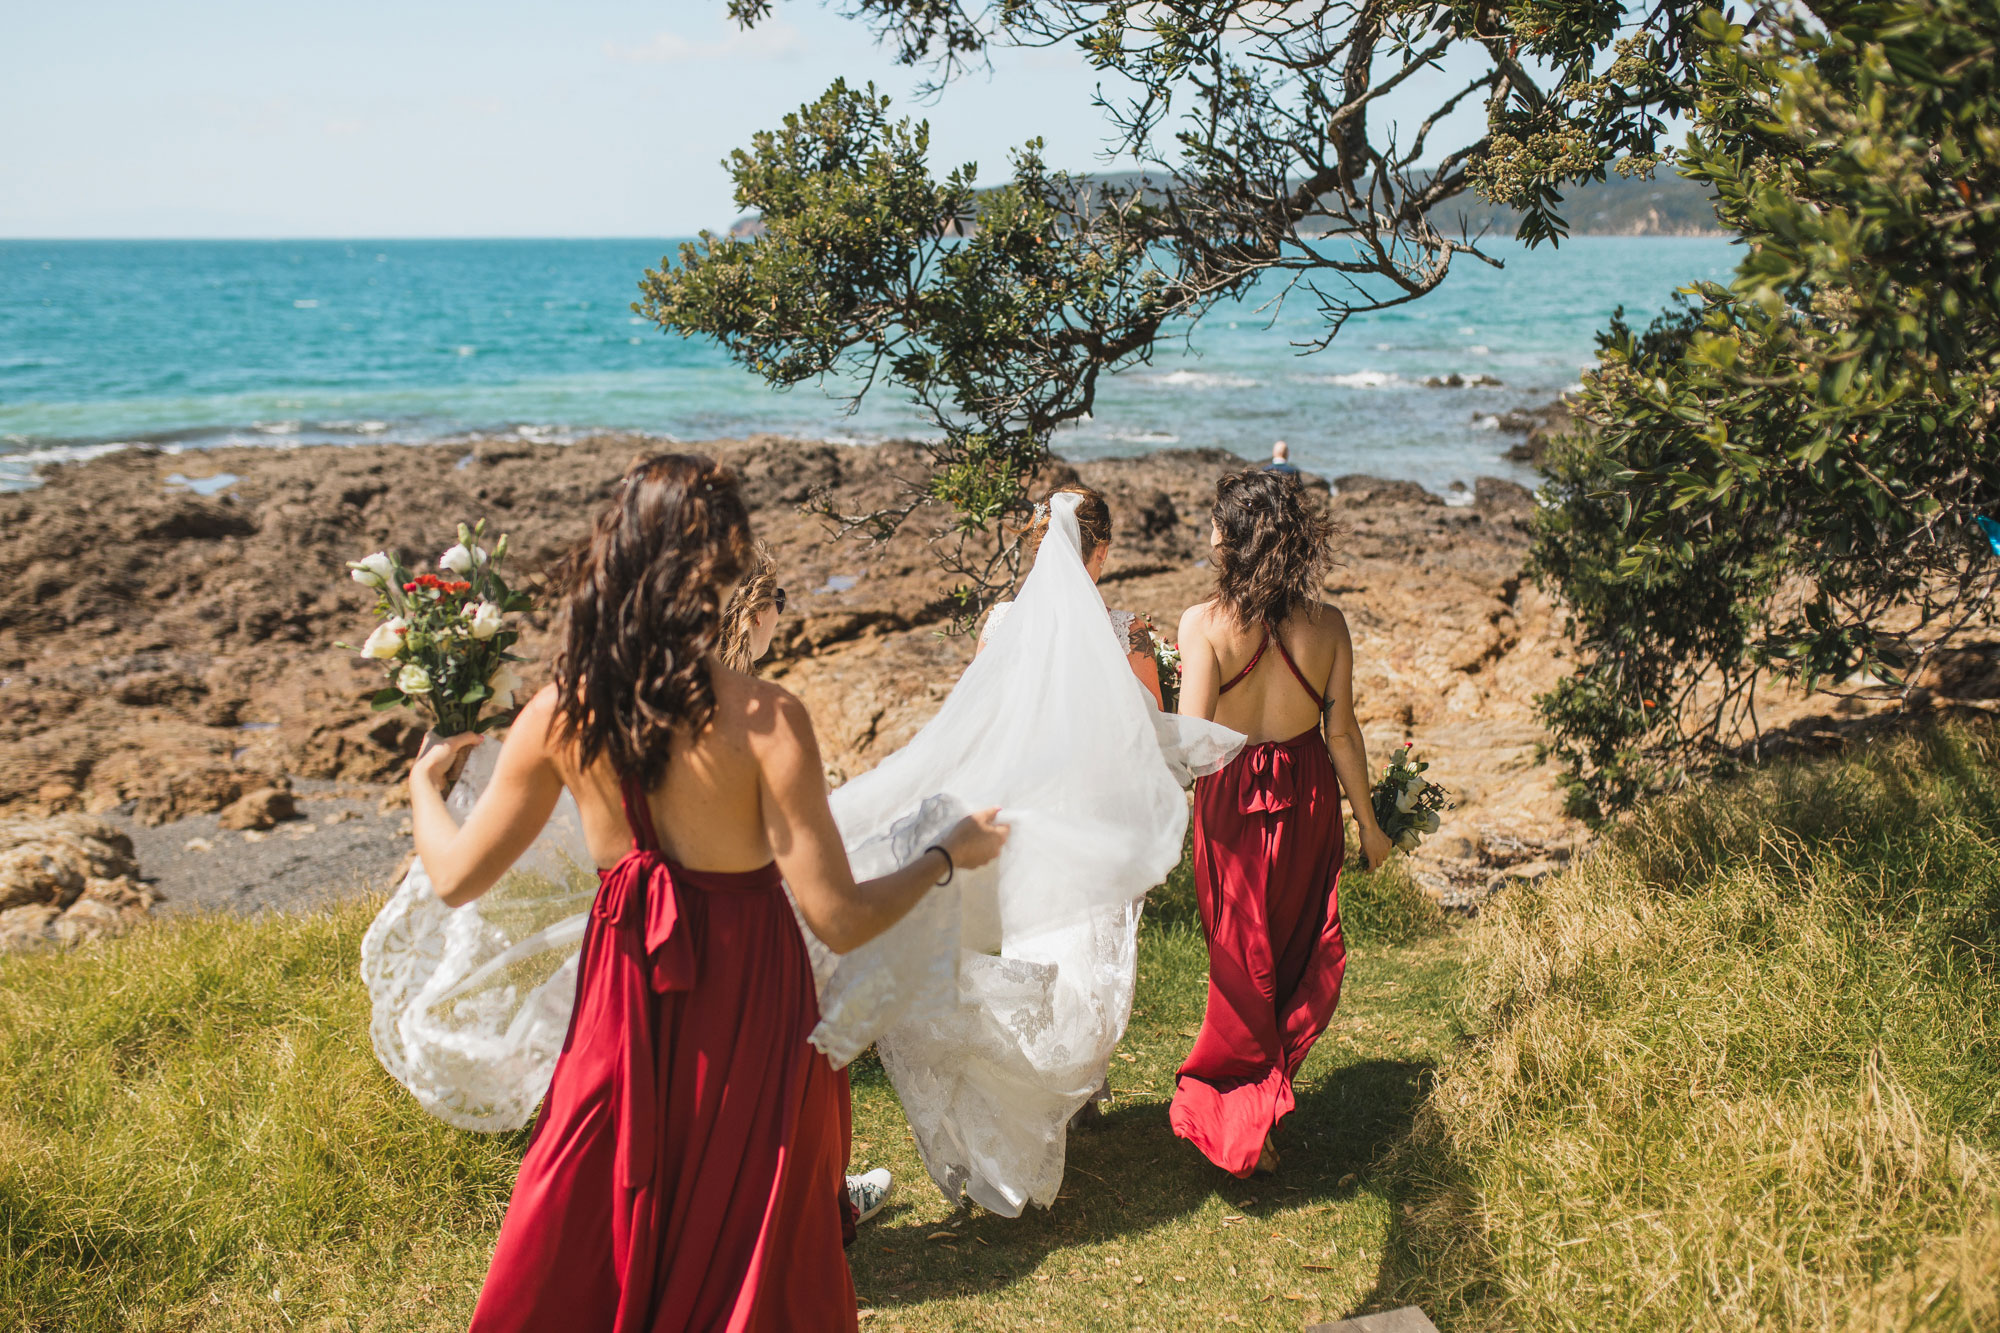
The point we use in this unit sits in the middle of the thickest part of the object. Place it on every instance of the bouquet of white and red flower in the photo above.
(444, 637)
(1168, 658)
(1407, 804)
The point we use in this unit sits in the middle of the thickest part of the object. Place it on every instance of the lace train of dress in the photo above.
(470, 1004)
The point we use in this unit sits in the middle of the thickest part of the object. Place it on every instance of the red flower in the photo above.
(409, 587)
(458, 587)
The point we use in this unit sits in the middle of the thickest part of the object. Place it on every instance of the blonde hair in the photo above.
(758, 590)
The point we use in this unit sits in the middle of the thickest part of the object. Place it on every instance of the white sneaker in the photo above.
(869, 1193)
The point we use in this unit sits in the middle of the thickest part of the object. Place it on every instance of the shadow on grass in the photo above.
(1129, 1175)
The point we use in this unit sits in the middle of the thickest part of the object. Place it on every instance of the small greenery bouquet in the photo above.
(444, 637)
(1407, 804)
(1168, 658)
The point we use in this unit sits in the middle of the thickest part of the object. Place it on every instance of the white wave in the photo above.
(1461, 498)
(1486, 423)
(466, 351)
(305, 305)
(1480, 349)
(1142, 436)
(1357, 379)
(277, 427)
(67, 453)
(1202, 379)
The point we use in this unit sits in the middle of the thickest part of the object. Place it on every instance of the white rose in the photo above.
(1430, 821)
(1408, 798)
(387, 640)
(413, 679)
(505, 682)
(375, 571)
(458, 560)
(1408, 839)
(486, 621)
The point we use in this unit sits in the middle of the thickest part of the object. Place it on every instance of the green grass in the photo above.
(1737, 1071)
(194, 1135)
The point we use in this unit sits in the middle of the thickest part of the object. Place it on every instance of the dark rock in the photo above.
(1359, 489)
(185, 518)
(264, 808)
(1493, 495)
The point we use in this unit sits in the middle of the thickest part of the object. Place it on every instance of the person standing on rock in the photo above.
(1267, 657)
(685, 1172)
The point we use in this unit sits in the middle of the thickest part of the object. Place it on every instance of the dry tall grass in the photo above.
(1736, 1071)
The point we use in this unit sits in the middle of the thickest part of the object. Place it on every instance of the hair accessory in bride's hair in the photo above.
(1041, 510)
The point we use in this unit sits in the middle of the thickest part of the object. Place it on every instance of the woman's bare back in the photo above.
(708, 810)
(1270, 702)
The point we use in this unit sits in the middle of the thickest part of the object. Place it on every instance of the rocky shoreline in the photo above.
(166, 650)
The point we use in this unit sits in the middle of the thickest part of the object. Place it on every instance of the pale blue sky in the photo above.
(446, 117)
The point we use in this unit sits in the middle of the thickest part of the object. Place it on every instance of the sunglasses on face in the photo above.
(779, 601)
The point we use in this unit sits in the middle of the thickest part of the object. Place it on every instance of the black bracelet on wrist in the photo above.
(950, 866)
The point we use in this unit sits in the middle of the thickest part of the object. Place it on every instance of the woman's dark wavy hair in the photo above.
(642, 612)
(1277, 545)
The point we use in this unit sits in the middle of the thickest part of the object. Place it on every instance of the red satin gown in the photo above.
(687, 1169)
(1268, 844)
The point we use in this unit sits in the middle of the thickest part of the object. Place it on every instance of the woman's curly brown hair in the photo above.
(1277, 545)
(643, 611)
(1093, 522)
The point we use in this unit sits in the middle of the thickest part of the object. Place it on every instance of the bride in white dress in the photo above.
(995, 1004)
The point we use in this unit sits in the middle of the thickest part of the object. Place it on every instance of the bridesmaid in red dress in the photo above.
(1268, 658)
(686, 1171)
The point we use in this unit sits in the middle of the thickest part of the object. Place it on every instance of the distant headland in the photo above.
(1667, 205)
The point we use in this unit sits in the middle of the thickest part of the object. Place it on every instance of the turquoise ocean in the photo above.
(195, 344)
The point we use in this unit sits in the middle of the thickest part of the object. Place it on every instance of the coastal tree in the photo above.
(1259, 156)
(1785, 476)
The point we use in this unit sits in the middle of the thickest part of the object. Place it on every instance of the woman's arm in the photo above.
(1348, 750)
(1139, 656)
(1201, 673)
(797, 820)
(1147, 668)
(465, 862)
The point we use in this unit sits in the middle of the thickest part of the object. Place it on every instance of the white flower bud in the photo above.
(375, 571)
(458, 560)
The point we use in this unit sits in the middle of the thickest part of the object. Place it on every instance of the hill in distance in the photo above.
(1667, 205)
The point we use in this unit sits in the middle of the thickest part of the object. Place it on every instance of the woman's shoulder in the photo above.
(1202, 616)
(759, 705)
(1133, 629)
(1320, 620)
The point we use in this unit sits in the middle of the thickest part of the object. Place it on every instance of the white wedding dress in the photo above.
(995, 1004)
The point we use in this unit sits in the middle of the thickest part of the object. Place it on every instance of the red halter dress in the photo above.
(1268, 845)
(687, 1169)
